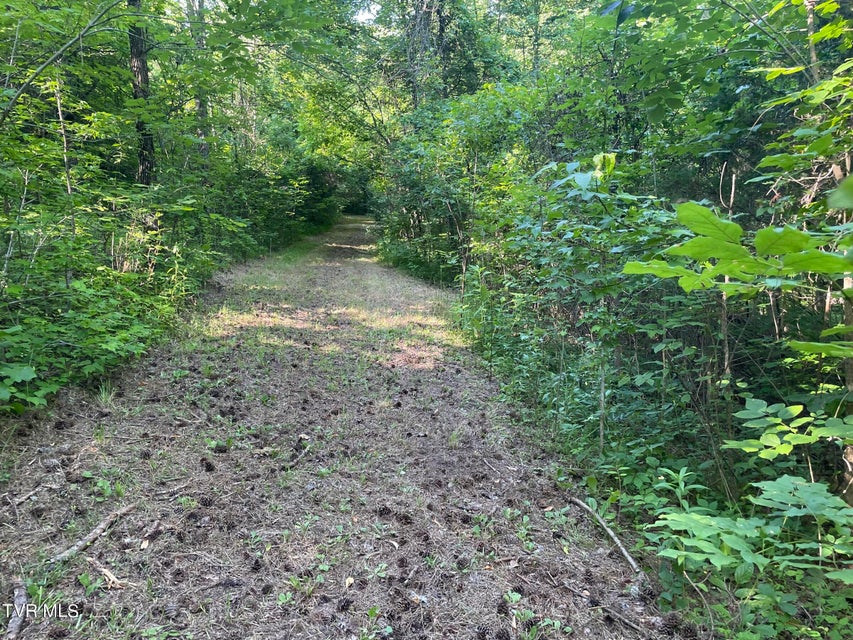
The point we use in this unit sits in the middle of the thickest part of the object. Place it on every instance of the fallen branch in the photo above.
(96, 533)
(19, 609)
(180, 487)
(27, 496)
(610, 533)
(608, 610)
(486, 462)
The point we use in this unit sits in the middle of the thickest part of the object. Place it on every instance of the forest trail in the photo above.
(317, 456)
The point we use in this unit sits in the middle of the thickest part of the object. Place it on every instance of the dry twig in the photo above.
(18, 613)
(180, 487)
(486, 462)
(608, 610)
(97, 532)
(610, 533)
(112, 581)
(27, 496)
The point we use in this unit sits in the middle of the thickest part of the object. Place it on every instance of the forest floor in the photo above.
(316, 455)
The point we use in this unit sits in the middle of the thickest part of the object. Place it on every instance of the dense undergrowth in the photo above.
(148, 155)
(652, 248)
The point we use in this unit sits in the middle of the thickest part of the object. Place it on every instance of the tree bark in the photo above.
(141, 91)
(69, 188)
(810, 30)
(196, 17)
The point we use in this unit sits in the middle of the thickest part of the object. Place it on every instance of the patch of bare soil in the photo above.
(317, 457)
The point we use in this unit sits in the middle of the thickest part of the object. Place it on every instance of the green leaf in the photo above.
(755, 408)
(657, 113)
(821, 145)
(756, 558)
(800, 438)
(770, 440)
(695, 281)
(842, 197)
(702, 221)
(778, 241)
(844, 431)
(657, 268)
(790, 411)
(792, 496)
(749, 446)
(799, 422)
(845, 575)
(703, 248)
(743, 572)
(835, 349)
(834, 331)
(17, 373)
(736, 542)
(605, 163)
(775, 72)
(785, 161)
(814, 261)
(762, 423)
(755, 404)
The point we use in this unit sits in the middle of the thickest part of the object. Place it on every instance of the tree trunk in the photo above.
(847, 365)
(418, 47)
(195, 16)
(536, 43)
(69, 189)
(810, 30)
(139, 72)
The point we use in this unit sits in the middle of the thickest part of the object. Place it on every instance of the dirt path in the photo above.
(318, 457)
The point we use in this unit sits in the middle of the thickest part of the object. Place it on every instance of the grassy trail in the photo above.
(317, 456)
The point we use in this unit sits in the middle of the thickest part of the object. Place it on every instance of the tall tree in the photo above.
(196, 18)
(141, 92)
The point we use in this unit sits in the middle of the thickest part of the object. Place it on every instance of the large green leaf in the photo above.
(775, 72)
(750, 446)
(844, 431)
(834, 331)
(834, 428)
(814, 261)
(657, 268)
(842, 197)
(836, 349)
(703, 222)
(779, 241)
(704, 248)
(845, 575)
(17, 373)
(696, 281)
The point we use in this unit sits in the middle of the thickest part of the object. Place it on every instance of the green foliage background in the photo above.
(94, 264)
(636, 212)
